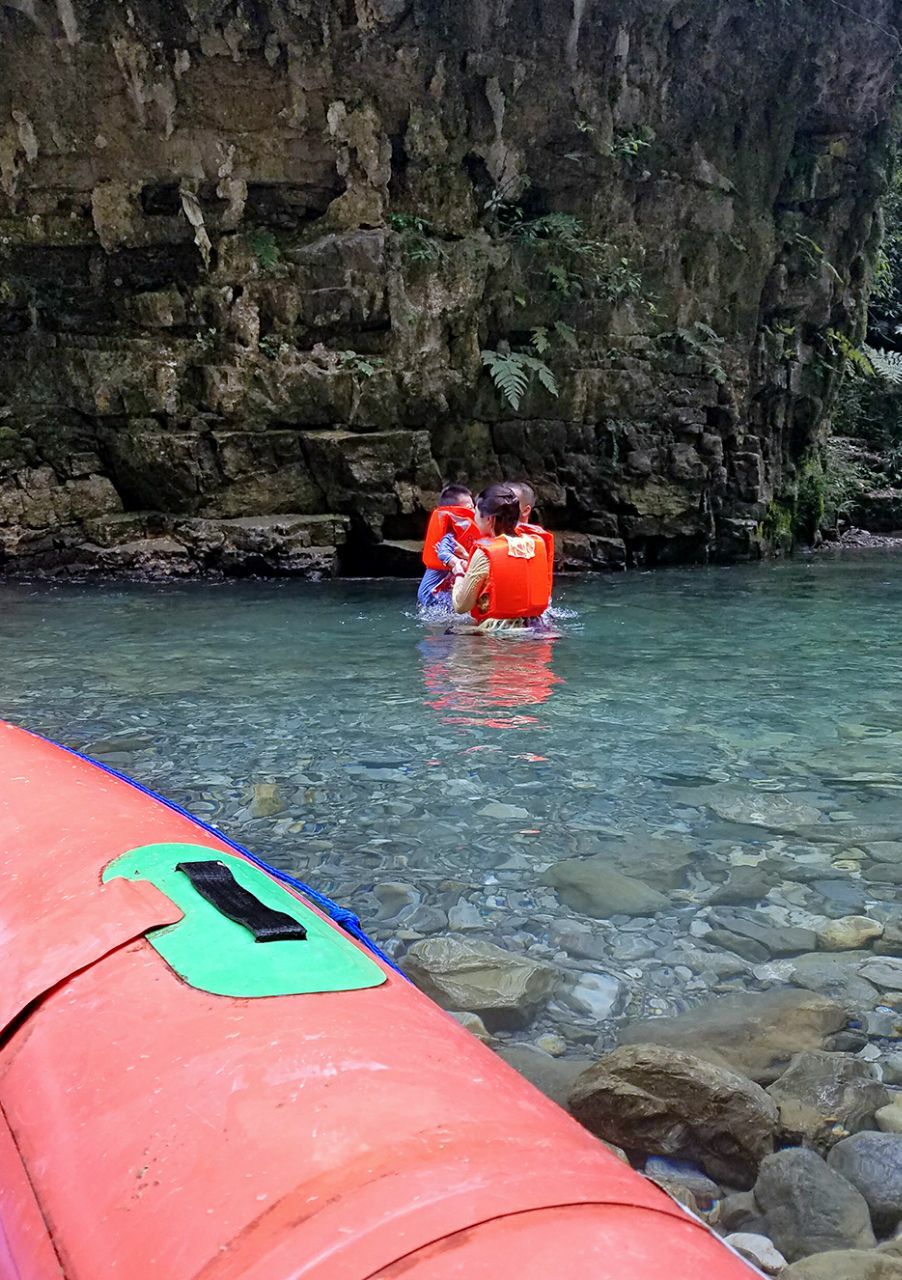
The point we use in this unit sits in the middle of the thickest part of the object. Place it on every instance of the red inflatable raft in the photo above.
(179, 1102)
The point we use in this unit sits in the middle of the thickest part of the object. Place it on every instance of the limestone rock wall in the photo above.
(251, 251)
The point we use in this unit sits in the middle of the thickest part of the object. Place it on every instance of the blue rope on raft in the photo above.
(346, 919)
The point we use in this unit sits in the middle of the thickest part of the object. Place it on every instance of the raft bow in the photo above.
(204, 1077)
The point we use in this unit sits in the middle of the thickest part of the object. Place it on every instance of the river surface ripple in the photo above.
(687, 723)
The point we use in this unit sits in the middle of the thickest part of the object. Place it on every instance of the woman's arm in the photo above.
(467, 590)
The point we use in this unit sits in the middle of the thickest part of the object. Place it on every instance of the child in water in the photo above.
(527, 497)
(507, 583)
(449, 539)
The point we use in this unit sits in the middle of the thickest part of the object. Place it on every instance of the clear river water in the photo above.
(727, 738)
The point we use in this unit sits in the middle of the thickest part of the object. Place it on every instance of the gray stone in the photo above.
(633, 947)
(873, 1163)
(745, 884)
(755, 1034)
(844, 893)
(884, 972)
(808, 1207)
(463, 916)
(579, 939)
(883, 873)
(769, 809)
(824, 1097)
(891, 942)
(659, 862)
(266, 800)
(848, 933)
(595, 995)
(658, 1100)
(883, 1023)
(474, 1024)
(835, 974)
(660, 1169)
(593, 887)
(427, 919)
(552, 1076)
(889, 1118)
(504, 988)
(741, 1212)
(504, 812)
(846, 1264)
(759, 1250)
(396, 899)
(748, 948)
(777, 940)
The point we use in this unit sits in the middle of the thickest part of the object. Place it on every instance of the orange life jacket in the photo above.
(516, 587)
(456, 520)
(548, 538)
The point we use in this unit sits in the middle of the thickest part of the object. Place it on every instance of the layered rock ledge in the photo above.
(250, 256)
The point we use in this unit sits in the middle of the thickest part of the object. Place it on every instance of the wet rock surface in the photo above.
(808, 1207)
(477, 977)
(824, 1097)
(873, 1163)
(650, 1098)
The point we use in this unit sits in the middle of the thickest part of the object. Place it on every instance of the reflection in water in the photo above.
(487, 682)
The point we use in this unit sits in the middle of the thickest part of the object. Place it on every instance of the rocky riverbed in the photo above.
(777, 1117)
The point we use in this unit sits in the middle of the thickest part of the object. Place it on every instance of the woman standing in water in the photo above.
(507, 584)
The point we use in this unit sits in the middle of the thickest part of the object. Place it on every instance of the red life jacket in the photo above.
(515, 588)
(548, 538)
(456, 520)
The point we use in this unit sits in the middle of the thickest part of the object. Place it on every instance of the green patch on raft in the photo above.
(213, 953)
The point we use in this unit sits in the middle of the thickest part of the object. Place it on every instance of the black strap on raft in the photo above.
(215, 882)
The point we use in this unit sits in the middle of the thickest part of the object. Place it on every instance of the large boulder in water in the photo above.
(755, 1034)
(808, 1207)
(872, 1162)
(824, 1097)
(505, 989)
(653, 1099)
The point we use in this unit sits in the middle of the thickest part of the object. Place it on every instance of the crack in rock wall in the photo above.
(251, 251)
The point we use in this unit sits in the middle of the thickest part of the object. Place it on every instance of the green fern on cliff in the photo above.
(265, 249)
(887, 365)
(513, 371)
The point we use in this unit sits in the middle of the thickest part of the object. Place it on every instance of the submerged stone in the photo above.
(593, 887)
(659, 1100)
(824, 1097)
(504, 988)
(756, 1034)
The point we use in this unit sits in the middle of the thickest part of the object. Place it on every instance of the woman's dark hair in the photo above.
(500, 501)
(452, 493)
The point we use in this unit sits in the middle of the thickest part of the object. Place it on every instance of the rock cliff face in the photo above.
(251, 252)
